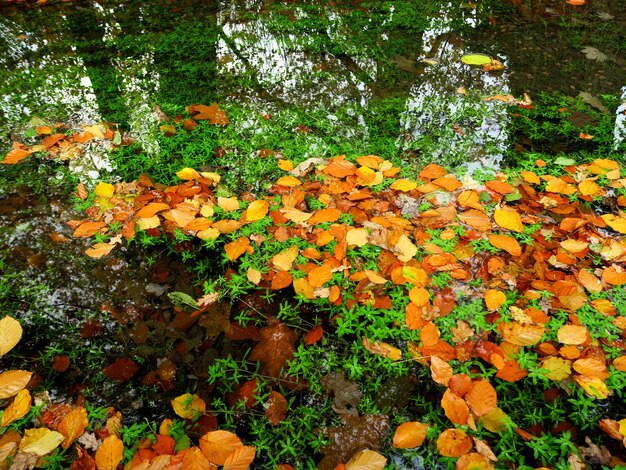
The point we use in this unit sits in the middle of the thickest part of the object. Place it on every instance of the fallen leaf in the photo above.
(110, 453)
(10, 334)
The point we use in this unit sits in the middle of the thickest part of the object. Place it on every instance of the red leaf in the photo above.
(122, 370)
(314, 335)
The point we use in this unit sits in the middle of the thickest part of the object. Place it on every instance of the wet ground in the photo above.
(114, 61)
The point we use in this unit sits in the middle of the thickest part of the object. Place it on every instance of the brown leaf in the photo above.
(276, 408)
(275, 348)
(213, 113)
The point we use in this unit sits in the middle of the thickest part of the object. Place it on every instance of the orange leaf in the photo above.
(320, 275)
(18, 153)
(475, 219)
(589, 281)
(506, 243)
(432, 171)
(419, 296)
(257, 210)
(494, 299)
(314, 335)
(73, 425)
(473, 461)
(240, 458)
(440, 370)
(213, 113)
(21, 405)
(591, 367)
(289, 181)
(448, 182)
(283, 261)
(340, 168)
(193, 459)
(614, 275)
(218, 445)
(619, 363)
(281, 280)
(110, 453)
(236, 248)
(330, 214)
(530, 177)
(454, 443)
(481, 398)
(429, 334)
(410, 435)
(87, 229)
(500, 187)
(455, 407)
(152, 209)
(522, 335)
(99, 250)
(509, 219)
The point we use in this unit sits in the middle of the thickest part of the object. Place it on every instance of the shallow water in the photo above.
(123, 62)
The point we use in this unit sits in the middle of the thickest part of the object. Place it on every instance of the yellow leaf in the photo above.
(146, 223)
(382, 349)
(229, 204)
(494, 299)
(357, 236)
(589, 187)
(572, 334)
(283, 261)
(494, 421)
(188, 174)
(593, 386)
(289, 181)
(105, 190)
(208, 234)
(403, 185)
(509, 219)
(574, 246)
(295, 215)
(216, 178)
(40, 441)
(530, 177)
(257, 210)
(17, 409)
(285, 165)
(12, 381)
(110, 453)
(218, 445)
(616, 223)
(99, 250)
(622, 427)
(10, 334)
(188, 406)
(558, 369)
(367, 460)
(405, 249)
(73, 425)
(253, 275)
